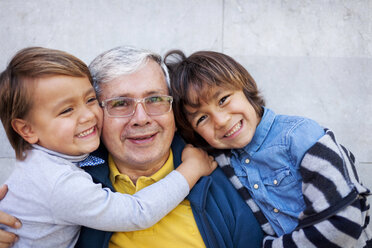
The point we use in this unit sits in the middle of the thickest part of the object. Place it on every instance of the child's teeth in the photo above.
(236, 128)
(85, 133)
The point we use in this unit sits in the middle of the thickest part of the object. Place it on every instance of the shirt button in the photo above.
(255, 186)
(276, 210)
(247, 161)
(275, 181)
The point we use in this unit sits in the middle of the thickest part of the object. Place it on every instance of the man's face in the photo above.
(139, 142)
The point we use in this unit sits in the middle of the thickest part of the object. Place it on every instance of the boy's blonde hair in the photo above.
(16, 85)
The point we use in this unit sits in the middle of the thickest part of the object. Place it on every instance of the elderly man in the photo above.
(140, 147)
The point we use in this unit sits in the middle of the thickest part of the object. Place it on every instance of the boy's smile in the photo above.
(86, 133)
(235, 130)
(65, 115)
(226, 120)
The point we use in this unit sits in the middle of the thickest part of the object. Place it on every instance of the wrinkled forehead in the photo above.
(147, 80)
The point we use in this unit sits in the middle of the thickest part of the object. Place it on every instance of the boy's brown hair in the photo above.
(16, 85)
(197, 73)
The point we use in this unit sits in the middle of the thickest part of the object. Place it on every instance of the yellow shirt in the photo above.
(177, 229)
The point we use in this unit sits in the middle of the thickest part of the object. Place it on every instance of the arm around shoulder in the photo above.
(76, 199)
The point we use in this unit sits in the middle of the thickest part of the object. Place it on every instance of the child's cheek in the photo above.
(99, 120)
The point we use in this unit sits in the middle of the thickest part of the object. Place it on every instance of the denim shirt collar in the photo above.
(259, 136)
(80, 160)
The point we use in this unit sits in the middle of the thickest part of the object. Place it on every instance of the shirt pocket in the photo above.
(284, 190)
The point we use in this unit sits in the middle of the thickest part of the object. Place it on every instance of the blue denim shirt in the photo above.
(268, 166)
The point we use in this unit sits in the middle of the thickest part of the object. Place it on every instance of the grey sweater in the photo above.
(53, 197)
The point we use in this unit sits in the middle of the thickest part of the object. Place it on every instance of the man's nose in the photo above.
(140, 117)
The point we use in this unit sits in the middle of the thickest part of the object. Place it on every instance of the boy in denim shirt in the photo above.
(301, 184)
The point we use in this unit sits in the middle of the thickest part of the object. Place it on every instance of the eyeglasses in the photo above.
(126, 106)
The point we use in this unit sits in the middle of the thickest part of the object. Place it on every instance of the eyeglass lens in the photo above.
(125, 106)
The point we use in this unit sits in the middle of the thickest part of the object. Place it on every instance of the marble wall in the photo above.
(310, 58)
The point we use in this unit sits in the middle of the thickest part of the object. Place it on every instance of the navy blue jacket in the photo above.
(223, 218)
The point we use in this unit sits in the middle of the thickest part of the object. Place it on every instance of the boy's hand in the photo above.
(6, 238)
(198, 159)
(195, 164)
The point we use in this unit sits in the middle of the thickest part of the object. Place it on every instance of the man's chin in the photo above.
(148, 157)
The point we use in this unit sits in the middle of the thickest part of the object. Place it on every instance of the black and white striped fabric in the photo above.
(337, 210)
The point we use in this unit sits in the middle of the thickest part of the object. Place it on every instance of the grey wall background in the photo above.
(311, 58)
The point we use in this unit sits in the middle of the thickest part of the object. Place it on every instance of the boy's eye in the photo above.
(200, 120)
(92, 99)
(222, 100)
(68, 110)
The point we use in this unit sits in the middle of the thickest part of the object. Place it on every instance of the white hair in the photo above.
(120, 61)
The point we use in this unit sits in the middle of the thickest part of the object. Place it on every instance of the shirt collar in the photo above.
(91, 161)
(114, 172)
(260, 134)
(80, 160)
(167, 168)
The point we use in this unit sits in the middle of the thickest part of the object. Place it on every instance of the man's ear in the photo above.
(24, 129)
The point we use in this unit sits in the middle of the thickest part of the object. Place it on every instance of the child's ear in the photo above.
(24, 129)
